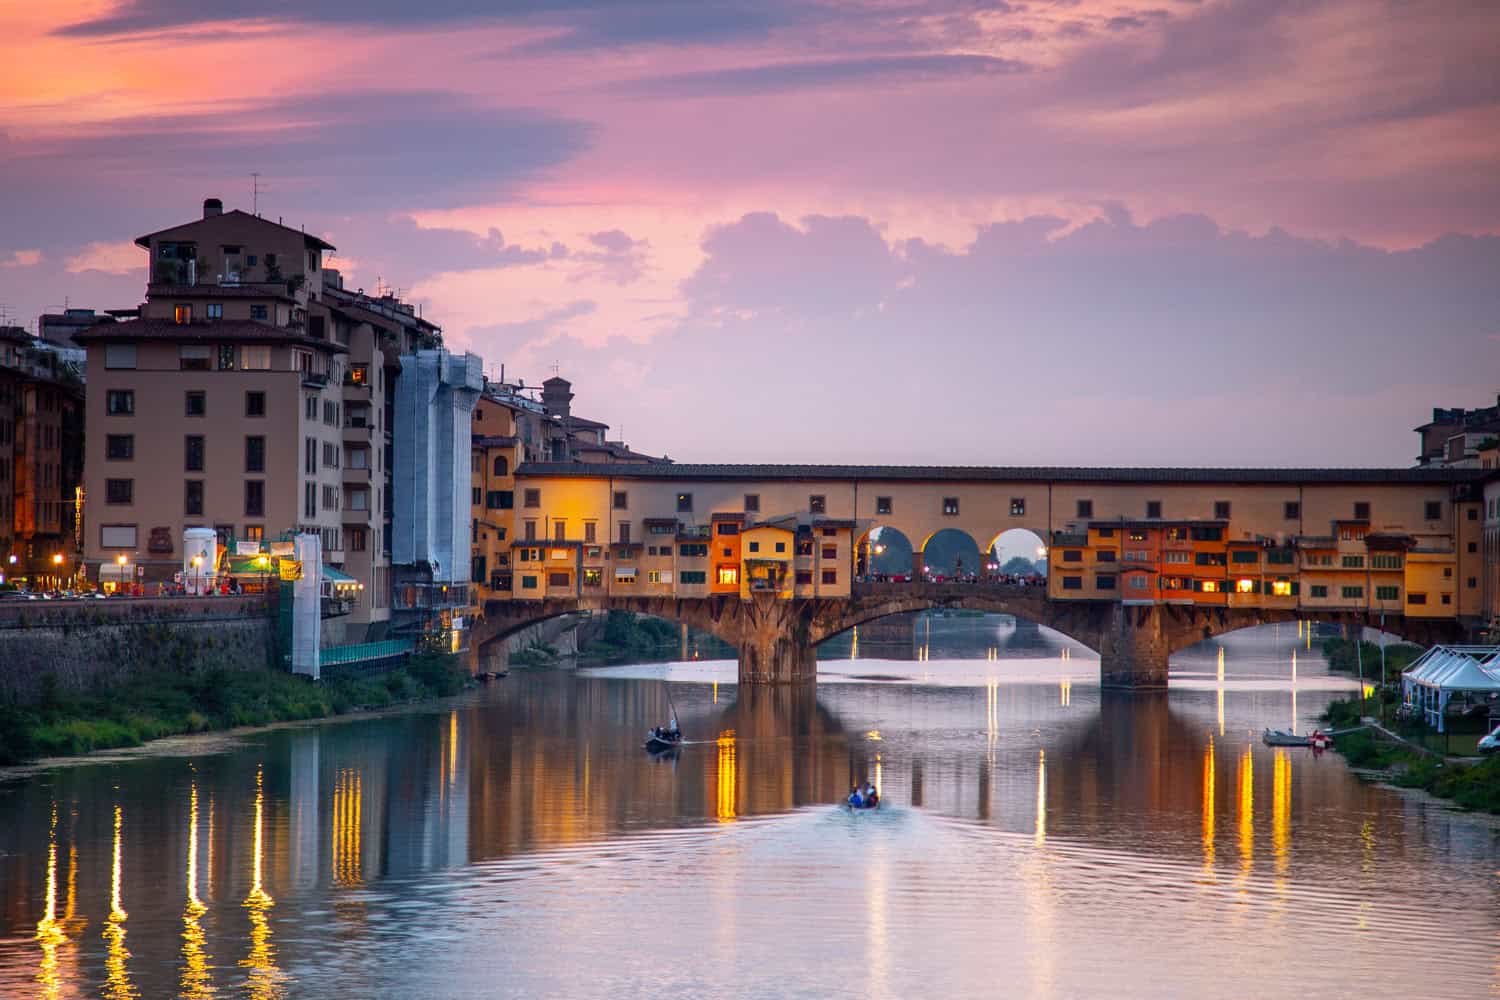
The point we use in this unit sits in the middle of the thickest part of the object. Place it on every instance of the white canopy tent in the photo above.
(1444, 671)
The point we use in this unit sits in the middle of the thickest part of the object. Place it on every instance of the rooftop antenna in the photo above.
(255, 192)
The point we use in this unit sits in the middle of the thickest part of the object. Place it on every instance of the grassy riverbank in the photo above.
(1344, 655)
(169, 703)
(1471, 786)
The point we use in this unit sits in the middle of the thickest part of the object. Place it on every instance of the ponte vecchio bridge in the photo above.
(1141, 562)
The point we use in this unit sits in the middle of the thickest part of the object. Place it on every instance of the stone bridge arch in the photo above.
(1076, 620)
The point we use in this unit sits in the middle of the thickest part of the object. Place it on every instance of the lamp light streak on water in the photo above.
(48, 934)
(1040, 835)
(1209, 806)
(116, 976)
(195, 982)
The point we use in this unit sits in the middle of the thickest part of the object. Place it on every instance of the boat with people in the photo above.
(1317, 739)
(863, 797)
(663, 738)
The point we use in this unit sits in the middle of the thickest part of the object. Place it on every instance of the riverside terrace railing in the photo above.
(387, 649)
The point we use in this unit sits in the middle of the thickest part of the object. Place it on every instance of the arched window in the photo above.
(502, 466)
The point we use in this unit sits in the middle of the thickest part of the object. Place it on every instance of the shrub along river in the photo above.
(1036, 838)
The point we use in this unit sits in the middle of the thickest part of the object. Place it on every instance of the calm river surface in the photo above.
(1037, 840)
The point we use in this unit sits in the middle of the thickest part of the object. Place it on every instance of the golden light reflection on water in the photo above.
(348, 794)
(992, 713)
(853, 647)
(48, 933)
(264, 976)
(1210, 803)
(726, 781)
(1065, 692)
(1041, 797)
(195, 982)
(1247, 811)
(1281, 810)
(116, 976)
(452, 747)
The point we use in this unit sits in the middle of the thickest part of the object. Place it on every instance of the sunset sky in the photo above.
(895, 231)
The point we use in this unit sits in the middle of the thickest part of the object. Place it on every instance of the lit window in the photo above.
(182, 314)
(1210, 586)
(1244, 586)
(729, 576)
(1282, 588)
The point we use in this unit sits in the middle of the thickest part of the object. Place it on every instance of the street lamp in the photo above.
(57, 561)
(122, 561)
(261, 562)
(197, 561)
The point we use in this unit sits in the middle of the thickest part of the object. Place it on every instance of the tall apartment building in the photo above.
(41, 461)
(227, 404)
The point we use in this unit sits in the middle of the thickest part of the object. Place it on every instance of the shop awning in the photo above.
(338, 578)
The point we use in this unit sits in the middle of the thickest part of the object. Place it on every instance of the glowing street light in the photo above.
(122, 560)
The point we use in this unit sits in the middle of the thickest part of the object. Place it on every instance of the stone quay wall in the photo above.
(88, 644)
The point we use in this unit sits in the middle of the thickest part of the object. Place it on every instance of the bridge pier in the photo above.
(775, 642)
(1133, 649)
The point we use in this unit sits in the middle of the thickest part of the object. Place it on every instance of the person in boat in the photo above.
(872, 797)
(673, 733)
(856, 799)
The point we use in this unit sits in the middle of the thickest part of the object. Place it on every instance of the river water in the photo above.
(1036, 839)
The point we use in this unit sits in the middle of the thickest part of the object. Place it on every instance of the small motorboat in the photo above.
(661, 740)
(1317, 739)
(863, 797)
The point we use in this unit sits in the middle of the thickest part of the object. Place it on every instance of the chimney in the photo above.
(212, 207)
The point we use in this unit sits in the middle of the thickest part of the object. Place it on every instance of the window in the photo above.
(1244, 556)
(309, 499)
(1385, 562)
(1280, 557)
(359, 458)
(755, 546)
(625, 534)
(1244, 585)
(119, 355)
(1202, 534)
(1433, 510)
(1208, 558)
(1072, 555)
(119, 402)
(1416, 598)
(559, 531)
(192, 453)
(501, 466)
(192, 501)
(1447, 598)
(728, 576)
(532, 498)
(1085, 509)
(1352, 592)
(255, 532)
(590, 531)
(1352, 562)
(830, 552)
(1136, 581)
(697, 576)
(360, 375)
(195, 357)
(500, 500)
(684, 502)
(258, 311)
(830, 576)
(357, 539)
(1361, 510)
(1473, 582)
(119, 447)
(817, 504)
(255, 454)
(692, 550)
(659, 576)
(752, 503)
(256, 358)
(726, 528)
(555, 579)
(1473, 513)
(1221, 510)
(1105, 555)
(528, 583)
(1105, 581)
(1072, 583)
(1291, 510)
(1177, 556)
(804, 547)
(195, 403)
(255, 404)
(1447, 572)
(781, 547)
(255, 498)
(804, 577)
(622, 500)
(1153, 509)
(120, 491)
(182, 313)
(1388, 593)
(117, 536)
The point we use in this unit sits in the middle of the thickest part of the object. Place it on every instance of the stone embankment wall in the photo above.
(85, 644)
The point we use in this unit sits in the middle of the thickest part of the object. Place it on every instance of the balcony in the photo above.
(314, 380)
